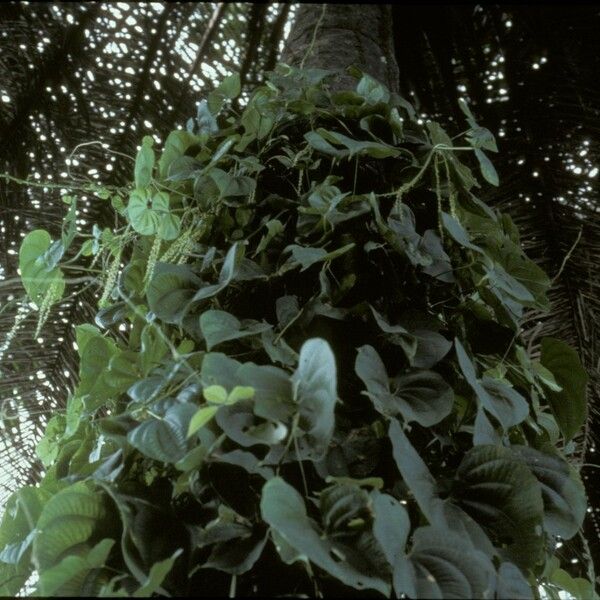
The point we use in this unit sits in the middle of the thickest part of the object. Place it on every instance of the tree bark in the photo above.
(336, 36)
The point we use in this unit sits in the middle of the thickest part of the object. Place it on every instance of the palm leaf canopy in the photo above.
(80, 84)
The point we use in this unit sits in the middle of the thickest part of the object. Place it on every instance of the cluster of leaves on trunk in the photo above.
(306, 374)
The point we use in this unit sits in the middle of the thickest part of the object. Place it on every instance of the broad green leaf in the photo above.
(164, 440)
(414, 471)
(240, 392)
(441, 565)
(144, 163)
(568, 405)
(422, 396)
(169, 227)
(459, 233)
(283, 509)
(500, 492)
(17, 532)
(176, 144)
(229, 270)
(218, 326)
(124, 370)
(216, 394)
(36, 274)
(512, 585)
(315, 391)
(340, 504)
(358, 147)
(72, 576)
(142, 217)
(184, 167)
(239, 422)
(239, 557)
(228, 89)
(170, 291)
(48, 447)
(274, 228)
(203, 416)
(562, 491)
(317, 142)
(398, 335)
(273, 396)
(487, 168)
(157, 575)
(306, 257)
(67, 520)
(372, 91)
(391, 525)
(153, 348)
(232, 185)
(578, 587)
(497, 398)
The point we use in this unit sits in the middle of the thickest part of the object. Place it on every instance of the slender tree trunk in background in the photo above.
(336, 36)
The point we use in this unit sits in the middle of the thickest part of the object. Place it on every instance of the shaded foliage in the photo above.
(548, 112)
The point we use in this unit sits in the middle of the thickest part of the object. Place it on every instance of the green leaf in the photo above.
(216, 394)
(440, 565)
(497, 398)
(391, 525)
(232, 185)
(143, 219)
(340, 504)
(201, 418)
(229, 88)
(314, 383)
(176, 144)
(237, 558)
(17, 531)
(398, 335)
(310, 256)
(317, 142)
(71, 576)
(422, 396)
(170, 291)
(562, 491)
(153, 348)
(414, 471)
(229, 270)
(458, 232)
(372, 91)
(157, 575)
(124, 370)
(512, 585)
(67, 520)
(358, 147)
(240, 392)
(169, 227)
(36, 274)
(48, 447)
(283, 509)
(487, 168)
(578, 587)
(500, 492)
(164, 440)
(144, 163)
(569, 405)
(218, 326)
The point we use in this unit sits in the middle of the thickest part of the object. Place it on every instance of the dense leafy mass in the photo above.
(306, 359)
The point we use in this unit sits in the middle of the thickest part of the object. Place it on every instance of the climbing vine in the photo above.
(306, 359)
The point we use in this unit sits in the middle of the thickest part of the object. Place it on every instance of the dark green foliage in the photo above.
(300, 382)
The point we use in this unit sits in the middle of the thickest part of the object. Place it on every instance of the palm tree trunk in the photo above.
(336, 36)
